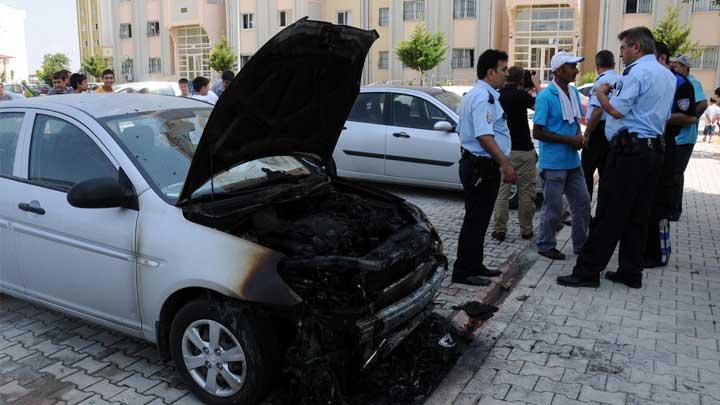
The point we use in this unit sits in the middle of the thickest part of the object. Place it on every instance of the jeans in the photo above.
(572, 184)
(524, 163)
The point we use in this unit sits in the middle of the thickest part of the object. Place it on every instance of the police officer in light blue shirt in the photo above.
(637, 114)
(485, 144)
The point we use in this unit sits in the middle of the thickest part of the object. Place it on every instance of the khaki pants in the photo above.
(525, 163)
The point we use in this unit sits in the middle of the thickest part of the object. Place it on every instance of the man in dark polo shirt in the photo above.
(515, 99)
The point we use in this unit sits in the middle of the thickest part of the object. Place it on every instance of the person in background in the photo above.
(78, 82)
(184, 85)
(59, 84)
(202, 90)
(3, 95)
(596, 146)
(222, 84)
(515, 100)
(711, 117)
(108, 78)
(686, 138)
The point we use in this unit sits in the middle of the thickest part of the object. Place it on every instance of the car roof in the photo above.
(428, 90)
(107, 105)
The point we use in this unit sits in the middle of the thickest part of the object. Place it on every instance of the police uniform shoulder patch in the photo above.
(491, 98)
(683, 104)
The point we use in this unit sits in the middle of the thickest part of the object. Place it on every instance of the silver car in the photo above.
(222, 236)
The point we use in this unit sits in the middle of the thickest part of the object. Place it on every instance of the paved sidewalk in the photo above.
(612, 345)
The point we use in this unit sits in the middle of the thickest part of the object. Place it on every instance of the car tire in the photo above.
(242, 354)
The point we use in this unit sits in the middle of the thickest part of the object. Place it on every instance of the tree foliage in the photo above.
(423, 51)
(675, 36)
(51, 64)
(94, 66)
(221, 58)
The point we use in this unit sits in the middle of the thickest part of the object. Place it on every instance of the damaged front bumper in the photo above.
(396, 321)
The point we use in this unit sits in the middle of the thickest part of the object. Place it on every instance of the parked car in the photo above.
(161, 88)
(237, 251)
(585, 89)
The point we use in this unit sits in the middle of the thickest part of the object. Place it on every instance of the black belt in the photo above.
(630, 142)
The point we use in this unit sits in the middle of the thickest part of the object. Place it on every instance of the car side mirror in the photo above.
(103, 192)
(443, 126)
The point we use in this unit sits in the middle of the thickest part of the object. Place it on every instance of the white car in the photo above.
(161, 88)
(225, 240)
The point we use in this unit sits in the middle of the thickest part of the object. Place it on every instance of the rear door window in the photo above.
(368, 108)
(10, 125)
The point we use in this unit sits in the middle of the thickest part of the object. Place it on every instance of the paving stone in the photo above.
(527, 382)
(47, 348)
(165, 392)
(146, 368)
(121, 359)
(12, 391)
(531, 397)
(81, 380)
(17, 352)
(24, 375)
(131, 397)
(545, 384)
(68, 356)
(113, 374)
(617, 384)
(36, 361)
(663, 395)
(90, 365)
(58, 370)
(95, 400)
(553, 373)
(590, 394)
(139, 383)
(105, 389)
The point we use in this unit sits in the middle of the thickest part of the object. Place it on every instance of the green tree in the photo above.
(51, 64)
(94, 66)
(588, 77)
(674, 35)
(423, 51)
(12, 75)
(221, 58)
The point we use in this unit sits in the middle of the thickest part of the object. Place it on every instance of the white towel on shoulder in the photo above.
(569, 105)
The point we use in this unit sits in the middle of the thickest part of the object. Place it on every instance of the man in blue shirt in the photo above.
(688, 135)
(485, 145)
(596, 146)
(558, 113)
(637, 114)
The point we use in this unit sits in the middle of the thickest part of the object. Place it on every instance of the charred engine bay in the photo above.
(350, 251)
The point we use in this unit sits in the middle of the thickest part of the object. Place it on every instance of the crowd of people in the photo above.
(641, 128)
(66, 82)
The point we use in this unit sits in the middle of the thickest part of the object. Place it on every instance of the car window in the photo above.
(10, 124)
(415, 112)
(369, 108)
(62, 155)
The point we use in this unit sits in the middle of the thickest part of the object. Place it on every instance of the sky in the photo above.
(50, 27)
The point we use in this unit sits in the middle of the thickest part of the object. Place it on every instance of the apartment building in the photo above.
(152, 39)
(532, 31)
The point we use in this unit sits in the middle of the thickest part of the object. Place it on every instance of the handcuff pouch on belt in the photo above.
(627, 143)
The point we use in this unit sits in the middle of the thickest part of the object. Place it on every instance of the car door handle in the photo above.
(401, 135)
(34, 208)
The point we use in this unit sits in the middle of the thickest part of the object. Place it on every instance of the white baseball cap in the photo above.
(562, 58)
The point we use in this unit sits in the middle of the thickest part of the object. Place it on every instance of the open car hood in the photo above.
(292, 97)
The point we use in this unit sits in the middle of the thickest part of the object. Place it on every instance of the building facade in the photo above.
(147, 40)
(13, 50)
(532, 31)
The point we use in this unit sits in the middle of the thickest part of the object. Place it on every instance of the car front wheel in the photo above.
(221, 358)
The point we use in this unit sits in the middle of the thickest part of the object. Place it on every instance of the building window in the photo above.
(638, 6)
(82, 12)
(708, 59)
(183, 10)
(96, 27)
(127, 69)
(540, 32)
(248, 21)
(344, 18)
(86, 44)
(413, 10)
(463, 58)
(193, 47)
(283, 18)
(705, 5)
(244, 59)
(97, 42)
(124, 1)
(384, 19)
(464, 9)
(383, 60)
(153, 28)
(154, 65)
(83, 27)
(125, 31)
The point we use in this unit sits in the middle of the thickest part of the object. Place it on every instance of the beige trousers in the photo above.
(525, 163)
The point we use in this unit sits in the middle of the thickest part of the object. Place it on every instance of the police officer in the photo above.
(596, 146)
(485, 145)
(657, 248)
(637, 113)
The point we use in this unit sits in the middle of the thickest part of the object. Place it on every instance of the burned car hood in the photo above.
(292, 97)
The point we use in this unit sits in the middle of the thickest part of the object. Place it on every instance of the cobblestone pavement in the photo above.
(47, 358)
(612, 345)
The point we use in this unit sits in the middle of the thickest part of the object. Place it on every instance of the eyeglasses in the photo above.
(624, 47)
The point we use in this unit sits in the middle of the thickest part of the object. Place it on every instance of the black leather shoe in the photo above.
(472, 280)
(485, 272)
(553, 254)
(527, 236)
(617, 277)
(499, 236)
(575, 281)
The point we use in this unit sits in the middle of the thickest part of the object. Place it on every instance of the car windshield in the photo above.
(163, 144)
(450, 99)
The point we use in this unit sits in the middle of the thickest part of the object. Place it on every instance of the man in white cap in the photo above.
(557, 126)
(686, 139)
